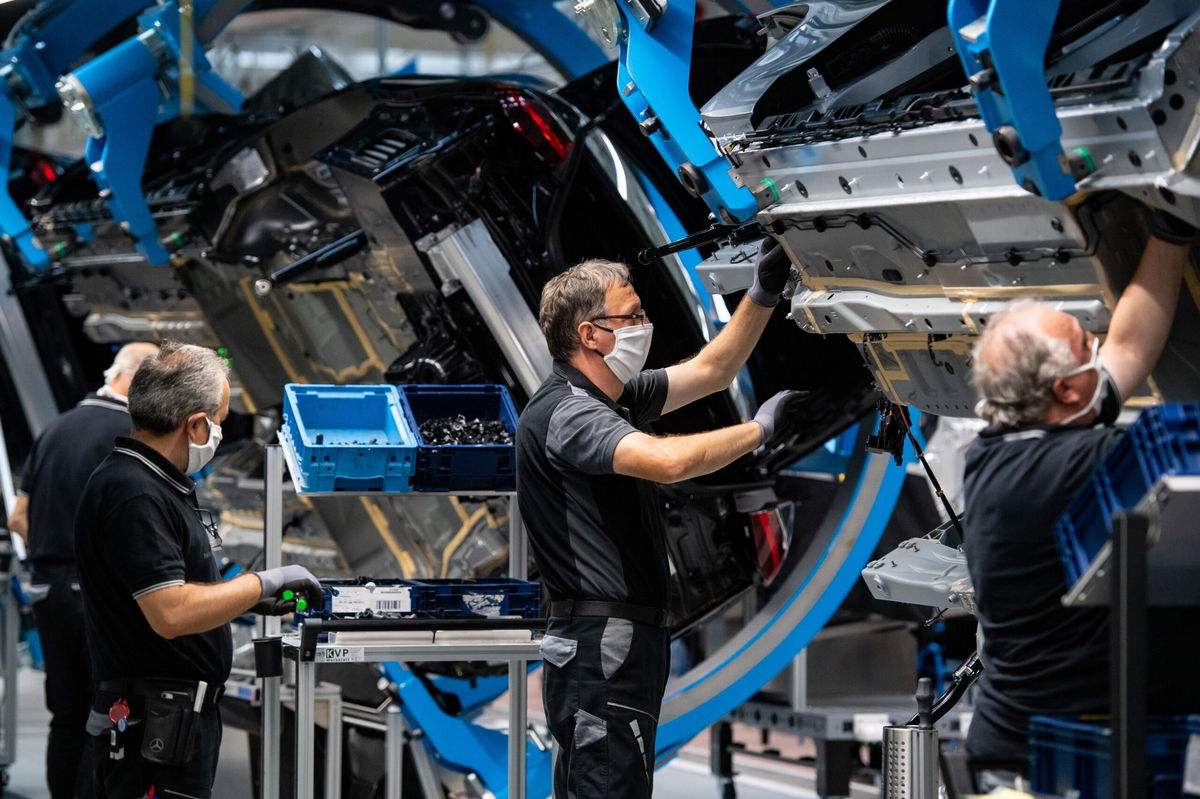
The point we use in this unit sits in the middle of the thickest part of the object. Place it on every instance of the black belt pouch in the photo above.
(171, 723)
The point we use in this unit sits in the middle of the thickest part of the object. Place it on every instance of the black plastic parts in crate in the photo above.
(1165, 440)
(461, 467)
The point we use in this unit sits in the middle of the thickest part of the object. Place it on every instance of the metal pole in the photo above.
(16, 342)
(1128, 666)
(305, 724)
(333, 745)
(518, 700)
(393, 755)
(12, 621)
(799, 680)
(270, 625)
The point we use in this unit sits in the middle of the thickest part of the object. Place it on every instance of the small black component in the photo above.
(890, 438)
(461, 430)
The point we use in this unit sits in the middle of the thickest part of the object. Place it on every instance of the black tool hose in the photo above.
(964, 677)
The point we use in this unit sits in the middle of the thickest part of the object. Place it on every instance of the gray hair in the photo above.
(180, 380)
(573, 297)
(1015, 366)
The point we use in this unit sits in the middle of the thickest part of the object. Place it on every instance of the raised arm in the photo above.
(715, 366)
(1142, 318)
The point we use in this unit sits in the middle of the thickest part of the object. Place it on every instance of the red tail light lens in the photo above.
(770, 542)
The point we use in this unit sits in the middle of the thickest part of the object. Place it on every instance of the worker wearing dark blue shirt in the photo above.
(585, 475)
(1049, 391)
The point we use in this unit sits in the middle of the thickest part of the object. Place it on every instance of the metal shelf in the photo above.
(293, 470)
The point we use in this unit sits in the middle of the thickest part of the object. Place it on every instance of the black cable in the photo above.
(937, 487)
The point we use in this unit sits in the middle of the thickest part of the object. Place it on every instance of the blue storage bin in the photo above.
(349, 438)
(1164, 440)
(461, 467)
(497, 596)
(1073, 754)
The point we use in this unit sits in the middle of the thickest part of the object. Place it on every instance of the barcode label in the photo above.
(392, 605)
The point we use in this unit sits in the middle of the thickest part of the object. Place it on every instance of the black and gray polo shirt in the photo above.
(139, 529)
(58, 468)
(595, 534)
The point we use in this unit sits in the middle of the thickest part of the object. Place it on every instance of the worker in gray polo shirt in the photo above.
(585, 474)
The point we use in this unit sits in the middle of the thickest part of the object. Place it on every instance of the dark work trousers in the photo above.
(602, 690)
(131, 776)
(68, 680)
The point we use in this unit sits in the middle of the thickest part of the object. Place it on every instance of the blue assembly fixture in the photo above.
(652, 78)
(1002, 44)
(118, 98)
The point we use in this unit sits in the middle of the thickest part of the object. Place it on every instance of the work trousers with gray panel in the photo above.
(602, 688)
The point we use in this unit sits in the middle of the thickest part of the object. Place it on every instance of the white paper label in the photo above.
(868, 727)
(340, 654)
(393, 600)
(351, 600)
(1191, 766)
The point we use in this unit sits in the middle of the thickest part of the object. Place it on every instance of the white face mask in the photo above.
(1101, 380)
(200, 454)
(629, 354)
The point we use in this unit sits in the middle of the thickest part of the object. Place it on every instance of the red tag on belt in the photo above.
(118, 711)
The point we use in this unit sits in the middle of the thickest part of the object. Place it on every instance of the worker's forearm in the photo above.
(199, 607)
(728, 351)
(18, 520)
(1142, 317)
(703, 453)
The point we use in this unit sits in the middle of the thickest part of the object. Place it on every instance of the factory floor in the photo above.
(685, 777)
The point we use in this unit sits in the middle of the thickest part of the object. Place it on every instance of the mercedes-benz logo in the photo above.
(156, 745)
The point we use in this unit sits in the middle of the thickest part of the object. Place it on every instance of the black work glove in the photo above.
(771, 270)
(1171, 228)
(772, 413)
(284, 588)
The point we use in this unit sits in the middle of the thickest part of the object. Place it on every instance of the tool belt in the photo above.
(571, 608)
(170, 717)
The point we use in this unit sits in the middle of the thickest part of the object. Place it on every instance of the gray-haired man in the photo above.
(584, 483)
(1049, 391)
(157, 613)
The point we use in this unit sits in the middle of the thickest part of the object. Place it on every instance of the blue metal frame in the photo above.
(1002, 45)
(652, 77)
(459, 745)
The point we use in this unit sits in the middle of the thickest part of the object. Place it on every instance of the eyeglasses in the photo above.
(210, 526)
(637, 318)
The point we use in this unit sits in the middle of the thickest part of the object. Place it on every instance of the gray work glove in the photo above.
(772, 413)
(771, 270)
(283, 587)
(1171, 228)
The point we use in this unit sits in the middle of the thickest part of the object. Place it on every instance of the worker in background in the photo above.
(62, 459)
(585, 475)
(157, 612)
(1050, 392)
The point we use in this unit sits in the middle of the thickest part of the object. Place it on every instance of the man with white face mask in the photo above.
(58, 467)
(1050, 391)
(585, 474)
(157, 613)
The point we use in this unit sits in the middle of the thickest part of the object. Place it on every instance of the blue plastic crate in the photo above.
(461, 467)
(1072, 754)
(349, 438)
(1165, 440)
(498, 596)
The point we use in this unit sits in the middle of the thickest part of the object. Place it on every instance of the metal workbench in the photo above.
(307, 657)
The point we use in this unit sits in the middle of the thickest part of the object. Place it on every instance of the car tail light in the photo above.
(531, 119)
(771, 540)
